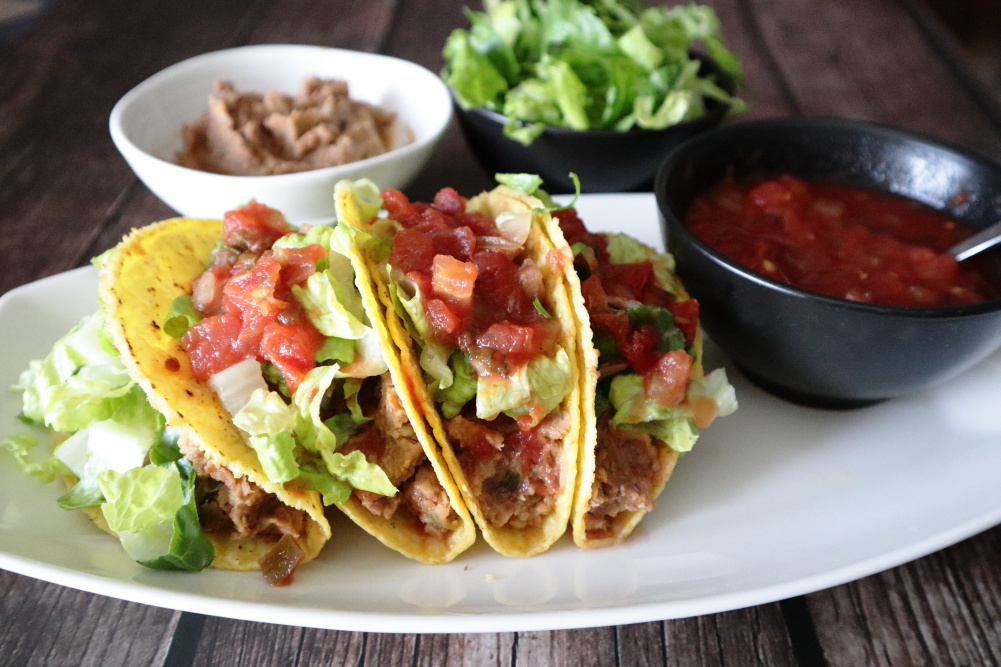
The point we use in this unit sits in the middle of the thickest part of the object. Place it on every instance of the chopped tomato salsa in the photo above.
(841, 241)
(246, 301)
(475, 297)
(627, 337)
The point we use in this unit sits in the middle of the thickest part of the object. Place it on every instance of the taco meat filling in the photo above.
(483, 299)
(390, 442)
(516, 473)
(249, 311)
(629, 468)
(249, 134)
(230, 504)
(639, 328)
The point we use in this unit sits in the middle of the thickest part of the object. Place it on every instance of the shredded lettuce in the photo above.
(82, 389)
(20, 445)
(537, 388)
(235, 385)
(674, 424)
(80, 381)
(434, 357)
(624, 249)
(366, 196)
(181, 316)
(332, 306)
(152, 510)
(294, 443)
(587, 64)
(463, 386)
(268, 420)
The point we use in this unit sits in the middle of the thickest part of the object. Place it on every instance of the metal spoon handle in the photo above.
(982, 240)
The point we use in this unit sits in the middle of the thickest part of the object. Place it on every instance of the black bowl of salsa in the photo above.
(763, 298)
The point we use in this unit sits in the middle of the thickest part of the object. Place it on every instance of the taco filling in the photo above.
(484, 326)
(164, 475)
(475, 300)
(650, 398)
(282, 337)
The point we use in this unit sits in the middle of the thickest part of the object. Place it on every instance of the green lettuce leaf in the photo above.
(587, 64)
(20, 445)
(674, 424)
(152, 510)
(294, 444)
(80, 381)
(181, 316)
(463, 387)
(539, 386)
(623, 249)
(268, 421)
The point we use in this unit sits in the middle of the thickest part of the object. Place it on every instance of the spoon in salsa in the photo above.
(982, 240)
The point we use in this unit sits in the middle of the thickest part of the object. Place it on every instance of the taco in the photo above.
(282, 334)
(243, 512)
(644, 393)
(149, 454)
(474, 298)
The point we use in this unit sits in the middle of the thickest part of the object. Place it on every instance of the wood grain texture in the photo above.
(754, 636)
(942, 609)
(871, 65)
(48, 625)
(451, 650)
(566, 648)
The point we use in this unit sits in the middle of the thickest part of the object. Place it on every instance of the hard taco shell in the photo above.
(139, 280)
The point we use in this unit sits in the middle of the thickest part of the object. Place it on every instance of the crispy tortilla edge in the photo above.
(512, 542)
(624, 524)
(397, 535)
(151, 266)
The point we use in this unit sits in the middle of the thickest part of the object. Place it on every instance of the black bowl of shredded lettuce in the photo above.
(603, 88)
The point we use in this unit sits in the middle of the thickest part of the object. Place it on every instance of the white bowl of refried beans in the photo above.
(280, 124)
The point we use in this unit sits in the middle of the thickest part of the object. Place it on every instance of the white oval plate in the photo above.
(774, 501)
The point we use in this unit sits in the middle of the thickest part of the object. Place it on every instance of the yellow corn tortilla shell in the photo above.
(516, 542)
(624, 523)
(139, 280)
(399, 533)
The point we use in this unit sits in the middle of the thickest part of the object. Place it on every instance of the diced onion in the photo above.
(234, 385)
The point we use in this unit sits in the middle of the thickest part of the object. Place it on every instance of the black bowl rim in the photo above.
(724, 81)
(500, 119)
(824, 123)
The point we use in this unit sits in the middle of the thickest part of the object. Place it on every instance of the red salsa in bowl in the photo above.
(798, 342)
(841, 241)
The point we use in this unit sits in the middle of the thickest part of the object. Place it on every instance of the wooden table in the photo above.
(66, 195)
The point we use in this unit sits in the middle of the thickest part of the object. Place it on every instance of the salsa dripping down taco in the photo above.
(281, 332)
(645, 396)
(474, 297)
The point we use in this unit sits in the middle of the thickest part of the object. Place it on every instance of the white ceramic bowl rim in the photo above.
(195, 63)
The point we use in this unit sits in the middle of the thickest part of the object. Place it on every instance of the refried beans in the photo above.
(248, 134)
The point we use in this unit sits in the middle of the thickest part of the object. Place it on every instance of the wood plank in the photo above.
(756, 635)
(392, 650)
(563, 648)
(61, 174)
(452, 650)
(642, 644)
(328, 647)
(940, 610)
(419, 31)
(224, 642)
(83, 57)
(881, 69)
(47, 624)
